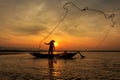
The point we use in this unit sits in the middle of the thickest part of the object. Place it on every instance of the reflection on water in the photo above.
(52, 66)
(96, 66)
(51, 69)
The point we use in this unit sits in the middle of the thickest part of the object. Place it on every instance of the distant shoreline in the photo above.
(15, 52)
(60, 50)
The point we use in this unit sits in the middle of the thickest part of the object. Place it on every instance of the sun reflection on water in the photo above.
(53, 68)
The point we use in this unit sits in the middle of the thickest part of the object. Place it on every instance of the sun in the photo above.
(56, 44)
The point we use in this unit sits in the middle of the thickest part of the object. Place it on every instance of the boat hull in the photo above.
(63, 55)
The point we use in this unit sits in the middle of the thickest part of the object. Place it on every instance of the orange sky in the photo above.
(24, 24)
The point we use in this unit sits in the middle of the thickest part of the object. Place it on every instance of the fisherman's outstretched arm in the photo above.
(47, 43)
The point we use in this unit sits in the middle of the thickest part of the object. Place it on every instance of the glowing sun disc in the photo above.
(56, 44)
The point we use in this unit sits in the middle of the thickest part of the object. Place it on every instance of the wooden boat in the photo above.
(62, 55)
(67, 55)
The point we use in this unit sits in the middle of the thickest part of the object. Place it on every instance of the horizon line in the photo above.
(33, 50)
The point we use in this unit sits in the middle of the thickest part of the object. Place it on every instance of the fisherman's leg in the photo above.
(49, 52)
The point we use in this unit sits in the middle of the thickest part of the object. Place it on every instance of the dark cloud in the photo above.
(31, 30)
(112, 3)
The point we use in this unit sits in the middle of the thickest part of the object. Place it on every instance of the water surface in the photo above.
(96, 66)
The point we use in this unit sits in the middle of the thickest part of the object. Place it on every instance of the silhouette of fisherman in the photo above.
(51, 47)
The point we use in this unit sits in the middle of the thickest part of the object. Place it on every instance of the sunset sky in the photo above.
(24, 23)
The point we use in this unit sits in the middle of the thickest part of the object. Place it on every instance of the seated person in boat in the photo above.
(51, 46)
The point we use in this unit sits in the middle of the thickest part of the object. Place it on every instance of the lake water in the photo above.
(96, 66)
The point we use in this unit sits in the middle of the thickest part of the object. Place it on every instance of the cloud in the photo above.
(31, 30)
(38, 17)
(85, 24)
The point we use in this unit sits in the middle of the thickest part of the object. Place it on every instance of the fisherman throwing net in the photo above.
(51, 47)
